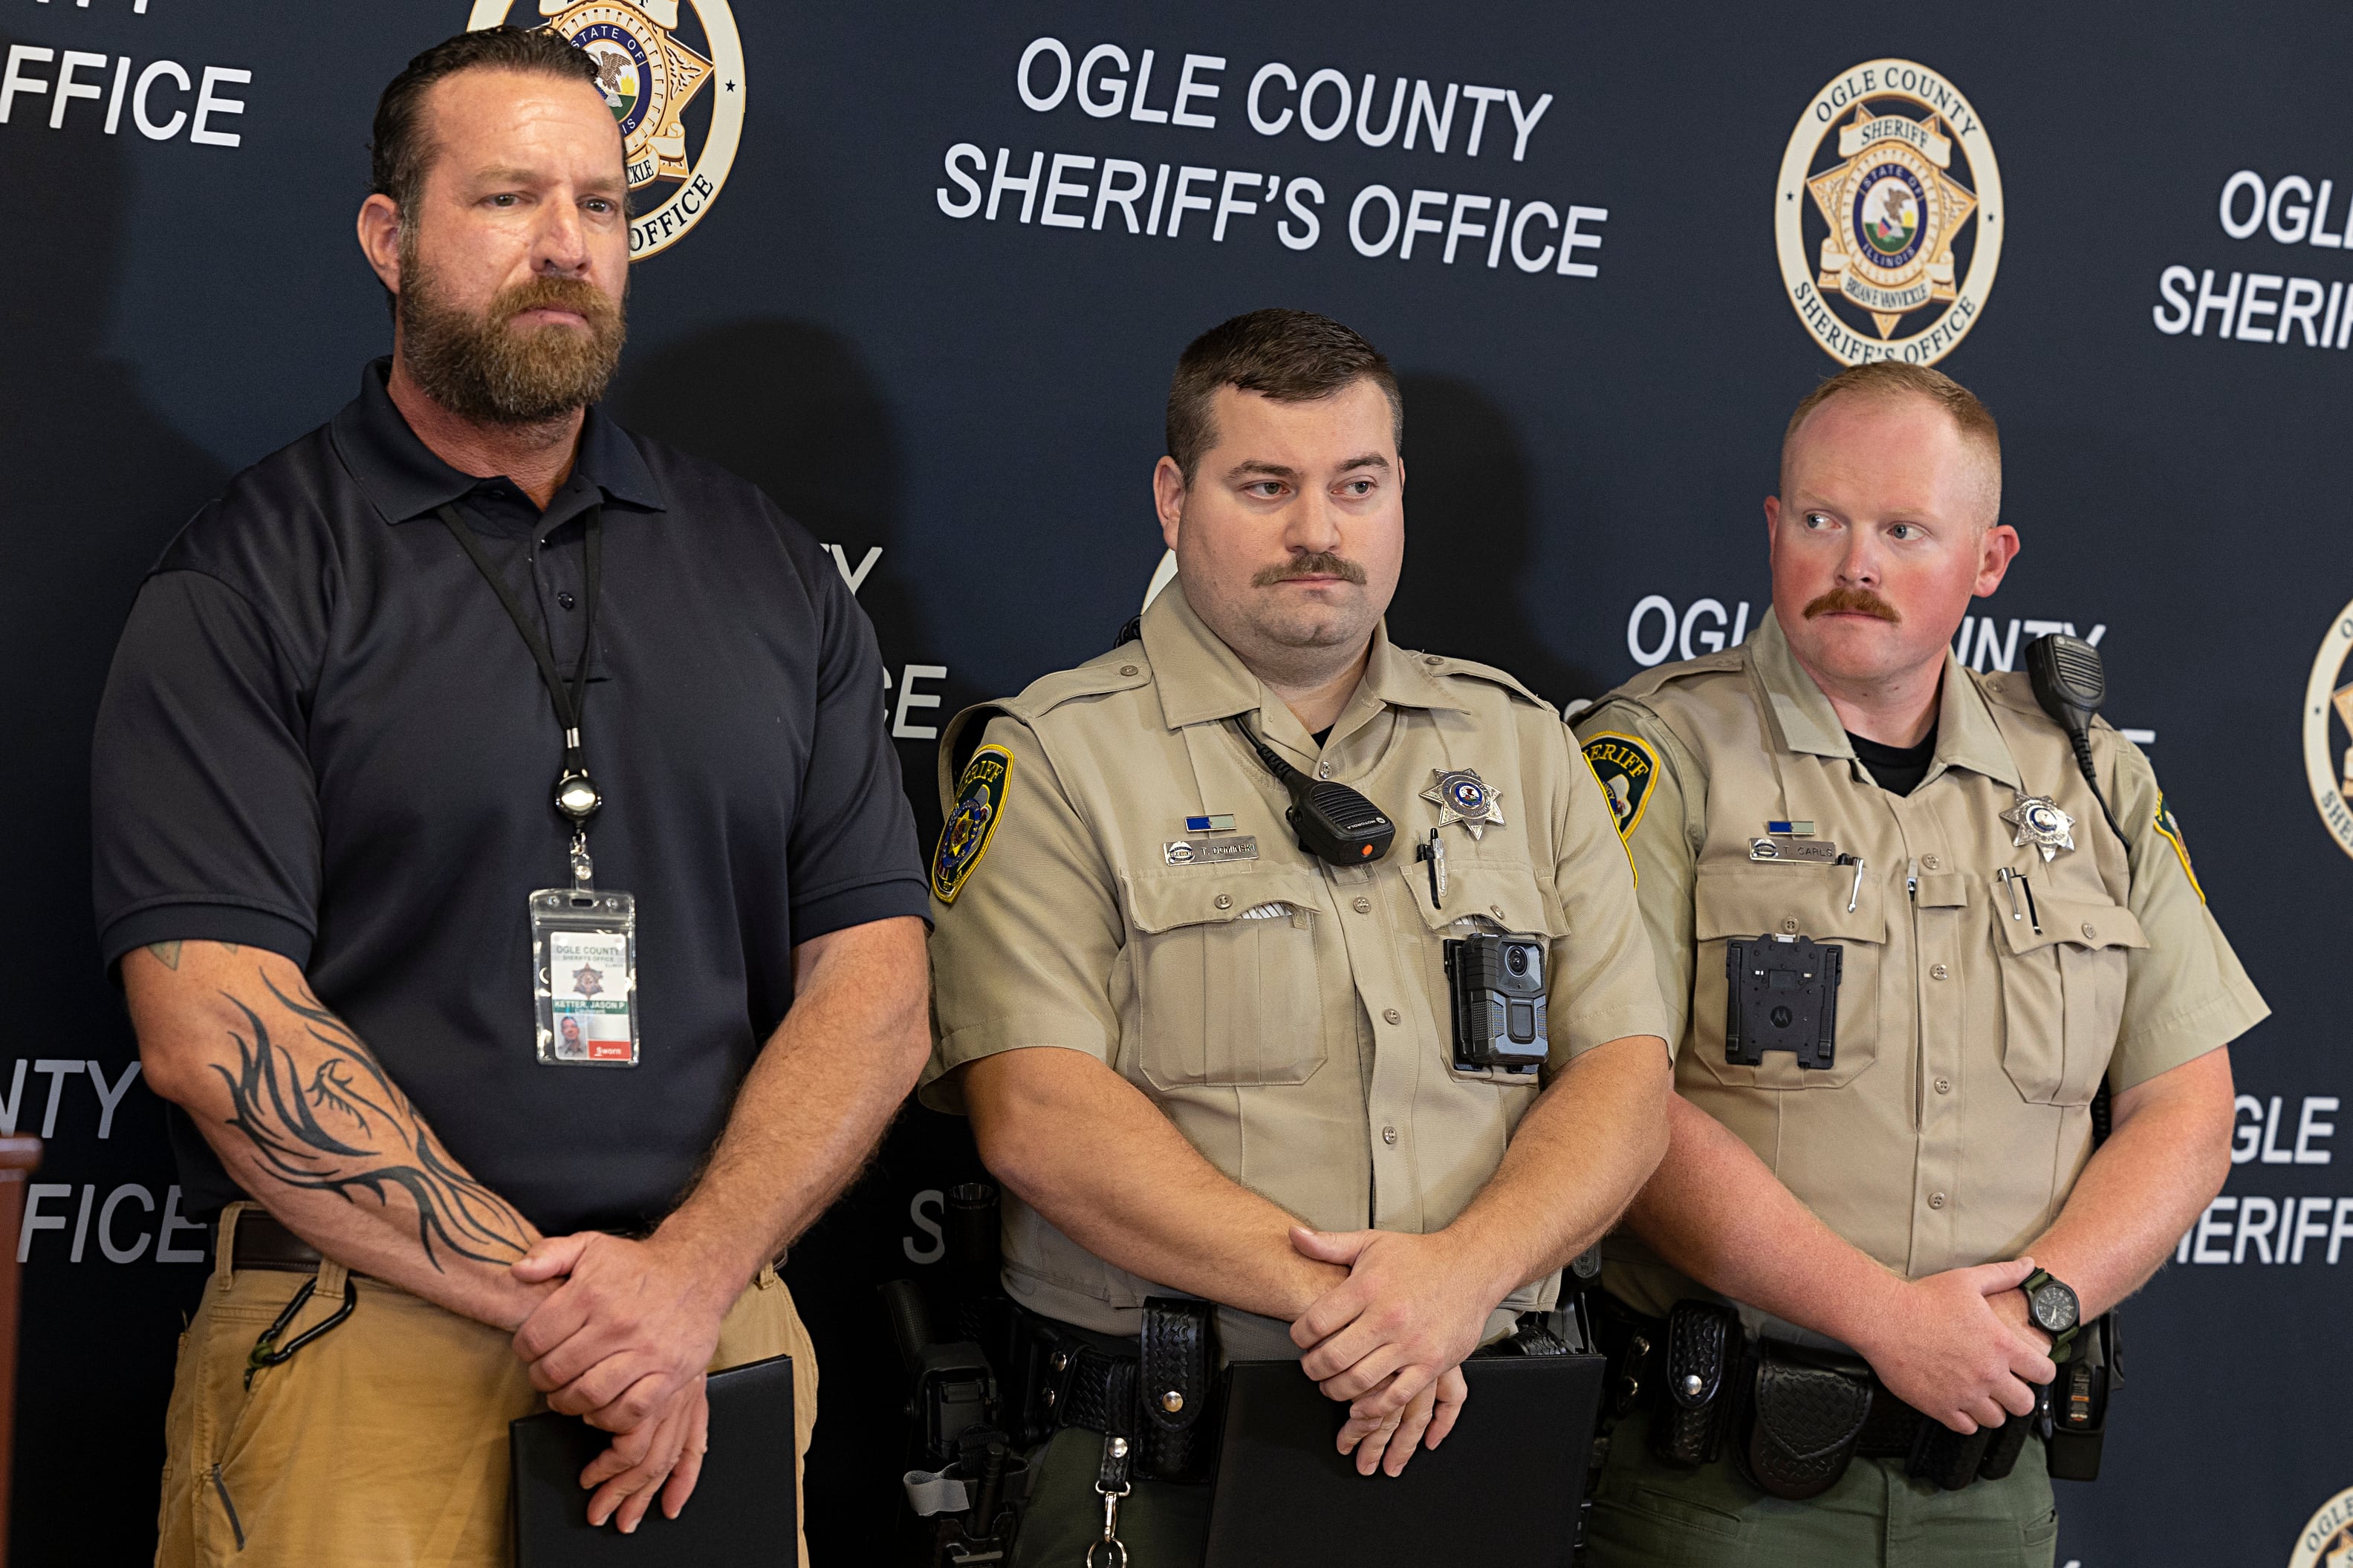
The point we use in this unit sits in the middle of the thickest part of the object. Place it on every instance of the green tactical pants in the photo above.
(1164, 1524)
(1649, 1514)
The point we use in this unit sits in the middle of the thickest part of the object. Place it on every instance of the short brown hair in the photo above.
(1885, 380)
(1291, 356)
(402, 149)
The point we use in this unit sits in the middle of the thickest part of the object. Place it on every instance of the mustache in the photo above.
(574, 294)
(1322, 563)
(1854, 601)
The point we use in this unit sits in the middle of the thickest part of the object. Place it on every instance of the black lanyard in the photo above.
(577, 798)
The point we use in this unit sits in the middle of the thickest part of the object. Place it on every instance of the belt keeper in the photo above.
(225, 1247)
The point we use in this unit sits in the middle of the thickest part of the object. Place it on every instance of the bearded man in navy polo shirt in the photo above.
(510, 881)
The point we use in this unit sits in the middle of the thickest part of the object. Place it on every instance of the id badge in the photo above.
(583, 946)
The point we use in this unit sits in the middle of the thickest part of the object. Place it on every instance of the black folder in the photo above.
(742, 1510)
(1502, 1488)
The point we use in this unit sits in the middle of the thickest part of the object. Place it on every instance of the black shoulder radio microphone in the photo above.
(2071, 682)
(1333, 823)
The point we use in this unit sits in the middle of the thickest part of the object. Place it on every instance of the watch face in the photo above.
(2053, 1307)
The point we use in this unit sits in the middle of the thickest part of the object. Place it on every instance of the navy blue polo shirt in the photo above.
(323, 736)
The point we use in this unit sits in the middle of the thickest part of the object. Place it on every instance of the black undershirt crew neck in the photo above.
(1898, 770)
(1324, 735)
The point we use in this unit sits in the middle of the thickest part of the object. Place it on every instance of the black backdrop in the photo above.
(977, 399)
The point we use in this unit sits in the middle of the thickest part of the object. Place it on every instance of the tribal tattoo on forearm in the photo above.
(348, 1130)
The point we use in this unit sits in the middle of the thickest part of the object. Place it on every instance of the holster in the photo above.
(1701, 1357)
(1175, 1431)
(1805, 1417)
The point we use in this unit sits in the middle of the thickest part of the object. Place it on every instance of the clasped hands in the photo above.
(623, 1341)
(1958, 1345)
(1391, 1338)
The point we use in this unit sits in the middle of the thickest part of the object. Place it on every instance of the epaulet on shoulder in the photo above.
(1650, 680)
(1122, 669)
(1439, 664)
(2010, 689)
(2013, 689)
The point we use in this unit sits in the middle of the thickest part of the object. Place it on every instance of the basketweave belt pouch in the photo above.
(1701, 1356)
(1806, 1416)
(1176, 1437)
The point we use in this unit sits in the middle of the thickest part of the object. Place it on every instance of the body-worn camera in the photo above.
(1781, 995)
(1496, 985)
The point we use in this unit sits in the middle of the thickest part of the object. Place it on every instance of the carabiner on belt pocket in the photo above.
(267, 1352)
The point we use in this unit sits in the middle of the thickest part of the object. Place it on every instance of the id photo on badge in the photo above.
(586, 980)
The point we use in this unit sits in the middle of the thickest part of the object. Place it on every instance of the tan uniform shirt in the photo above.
(1289, 1016)
(1975, 1016)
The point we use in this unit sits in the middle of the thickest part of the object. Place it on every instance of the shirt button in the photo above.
(1364, 906)
(1937, 972)
(1944, 1086)
(2090, 935)
(1935, 1200)
(1127, 669)
(565, 599)
(1496, 910)
(1391, 1014)
(1388, 1134)
(1225, 900)
(1788, 928)
(1929, 863)
(1323, 770)
(1432, 660)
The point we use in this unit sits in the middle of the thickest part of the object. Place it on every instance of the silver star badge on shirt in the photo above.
(2041, 824)
(1461, 795)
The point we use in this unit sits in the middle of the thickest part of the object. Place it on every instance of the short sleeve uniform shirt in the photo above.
(323, 736)
(1986, 992)
(1289, 1016)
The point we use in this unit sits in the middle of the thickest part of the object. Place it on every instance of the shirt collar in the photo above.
(1967, 736)
(401, 475)
(1201, 680)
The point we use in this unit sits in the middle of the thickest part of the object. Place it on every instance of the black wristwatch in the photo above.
(2052, 1306)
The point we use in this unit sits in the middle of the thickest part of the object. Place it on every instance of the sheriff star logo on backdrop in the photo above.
(1889, 215)
(653, 77)
(2328, 728)
(2327, 1540)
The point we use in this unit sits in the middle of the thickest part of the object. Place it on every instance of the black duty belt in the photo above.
(1793, 1417)
(1154, 1389)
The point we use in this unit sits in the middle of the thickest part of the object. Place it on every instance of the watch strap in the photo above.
(2061, 1343)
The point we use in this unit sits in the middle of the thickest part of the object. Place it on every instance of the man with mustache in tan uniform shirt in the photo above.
(1206, 1063)
(1841, 780)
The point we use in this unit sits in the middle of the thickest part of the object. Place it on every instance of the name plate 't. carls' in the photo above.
(1209, 851)
(1816, 851)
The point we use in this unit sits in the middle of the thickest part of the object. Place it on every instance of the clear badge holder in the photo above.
(584, 943)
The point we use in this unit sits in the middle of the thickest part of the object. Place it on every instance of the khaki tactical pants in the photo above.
(382, 1443)
(1649, 1514)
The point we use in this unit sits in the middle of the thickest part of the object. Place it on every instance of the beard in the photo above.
(482, 366)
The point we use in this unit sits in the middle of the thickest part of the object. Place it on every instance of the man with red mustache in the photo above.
(1208, 1064)
(395, 722)
(1904, 948)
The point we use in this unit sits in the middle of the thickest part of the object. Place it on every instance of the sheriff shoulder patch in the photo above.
(2170, 830)
(972, 822)
(1627, 768)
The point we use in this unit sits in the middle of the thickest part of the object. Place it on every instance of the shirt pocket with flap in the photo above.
(1748, 903)
(1227, 989)
(2062, 994)
(1481, 896)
